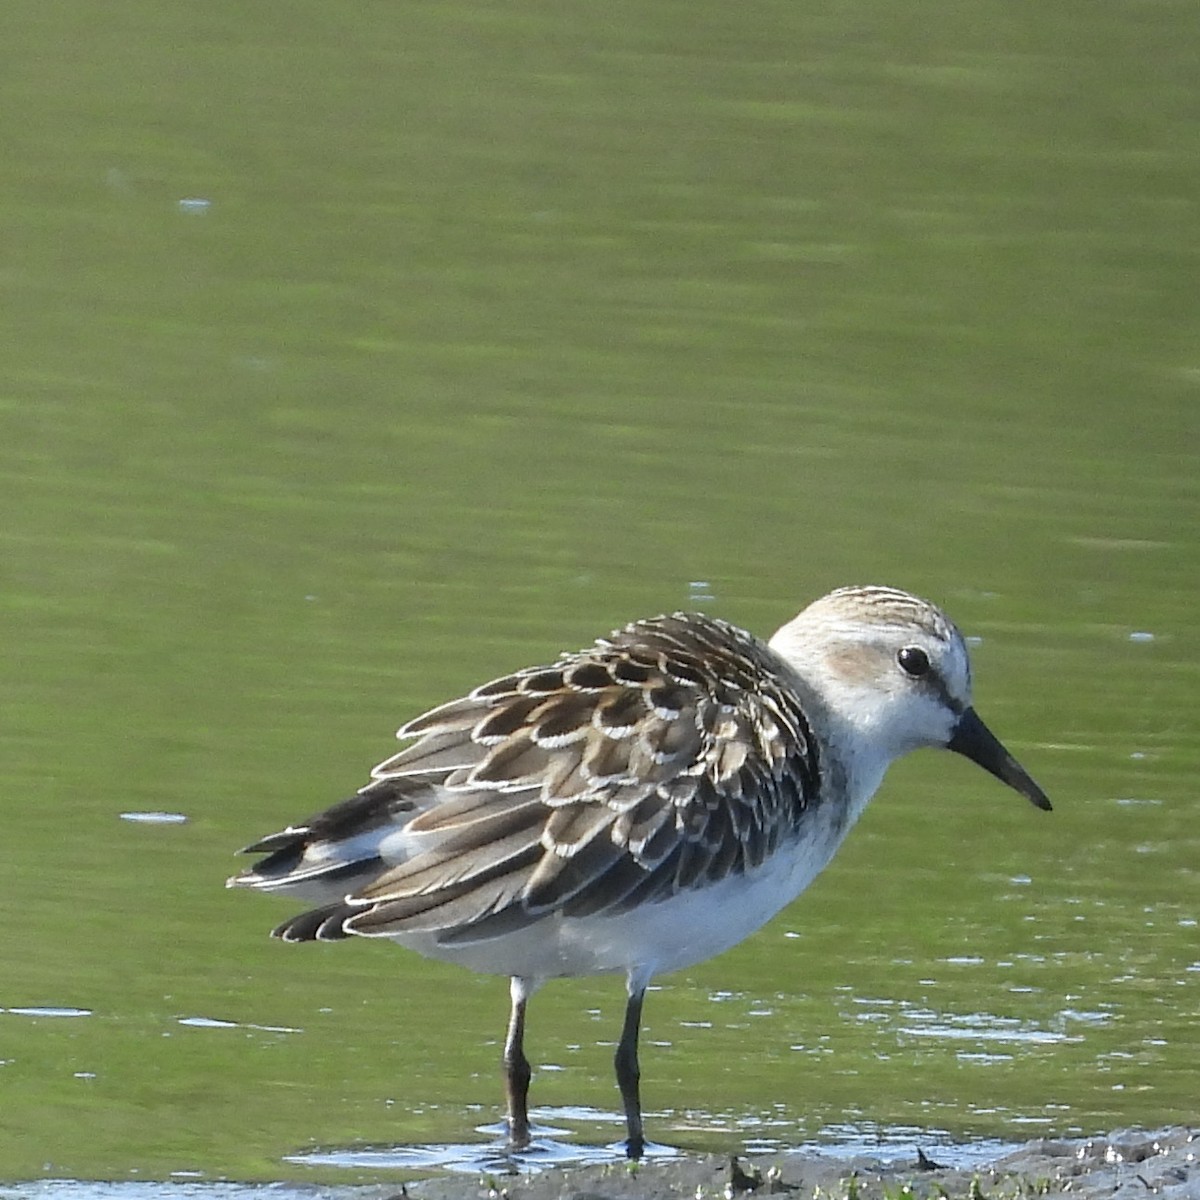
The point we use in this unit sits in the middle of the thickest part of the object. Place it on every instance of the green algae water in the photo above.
(355, 356)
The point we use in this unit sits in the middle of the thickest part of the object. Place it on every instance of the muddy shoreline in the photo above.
(1125, 1165)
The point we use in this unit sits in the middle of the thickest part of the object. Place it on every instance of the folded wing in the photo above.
(665, 757)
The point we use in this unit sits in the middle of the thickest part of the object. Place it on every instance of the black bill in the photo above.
(974, 740)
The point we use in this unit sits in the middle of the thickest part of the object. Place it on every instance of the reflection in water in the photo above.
(904, 1018)
(550, 1150)
(48, 1011)
(979, 1027)
(547, 1149)
(215, 1023)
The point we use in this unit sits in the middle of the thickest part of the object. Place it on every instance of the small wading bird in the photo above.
(636, 807)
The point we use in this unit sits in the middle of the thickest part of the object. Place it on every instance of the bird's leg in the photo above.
(628, 1073)
(516, 1066)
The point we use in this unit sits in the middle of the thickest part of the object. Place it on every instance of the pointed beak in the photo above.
(974, 740)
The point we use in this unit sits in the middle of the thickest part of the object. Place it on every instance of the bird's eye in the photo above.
(913, 660)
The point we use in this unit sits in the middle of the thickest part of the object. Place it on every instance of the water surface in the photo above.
(357, 356)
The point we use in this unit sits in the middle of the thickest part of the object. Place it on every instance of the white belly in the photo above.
(653, 938)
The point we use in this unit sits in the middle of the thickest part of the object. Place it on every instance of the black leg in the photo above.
(516, 1068)
(628, 1073)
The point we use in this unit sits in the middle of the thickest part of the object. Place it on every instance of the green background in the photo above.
(487, 327)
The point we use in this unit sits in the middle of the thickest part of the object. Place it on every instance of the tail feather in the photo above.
(334, 852)
(317, 925)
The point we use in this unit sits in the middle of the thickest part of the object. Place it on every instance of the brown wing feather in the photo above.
(667, 756)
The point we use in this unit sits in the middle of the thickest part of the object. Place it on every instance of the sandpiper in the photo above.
(635, 807)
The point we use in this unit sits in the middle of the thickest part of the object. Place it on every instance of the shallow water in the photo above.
(357, 358)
